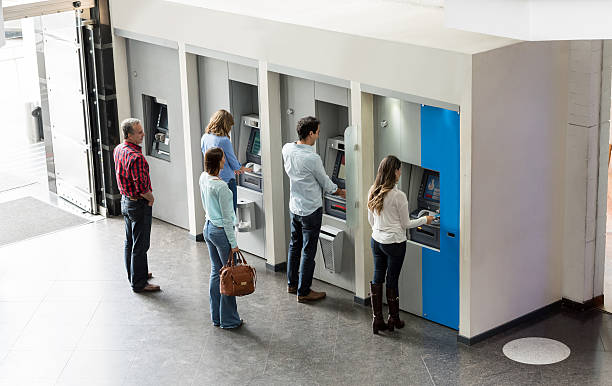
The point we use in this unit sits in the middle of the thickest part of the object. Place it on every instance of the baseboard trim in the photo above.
(280, 267)
(513, 323)
(597, 301)
(362, 302)
(199, 237)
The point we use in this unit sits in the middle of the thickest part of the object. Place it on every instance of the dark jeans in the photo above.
(304, 237)
(388, 260)
(231, 184)
(138, 217)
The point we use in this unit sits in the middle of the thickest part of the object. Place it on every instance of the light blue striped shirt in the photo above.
(218, 202)
(307, 177)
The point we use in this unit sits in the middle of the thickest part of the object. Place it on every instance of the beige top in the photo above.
(390, 225)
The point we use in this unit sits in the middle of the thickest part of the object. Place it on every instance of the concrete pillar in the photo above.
(272, 166)
(582, 171)
(362, 117)
(122, 85)
(190, 102)
(604, 140)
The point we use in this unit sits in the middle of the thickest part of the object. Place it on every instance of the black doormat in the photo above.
(28, 217)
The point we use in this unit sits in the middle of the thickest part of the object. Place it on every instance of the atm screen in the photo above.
(342, 169)
(339, 173)
(432, 188)
(162, 119)
(254, 143)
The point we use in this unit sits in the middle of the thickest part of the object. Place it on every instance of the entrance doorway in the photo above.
(44, 110)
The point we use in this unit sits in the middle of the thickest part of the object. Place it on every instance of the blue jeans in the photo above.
(302, 249)
(223, 309)
(388, 260)
(138, 217)
(231, 184)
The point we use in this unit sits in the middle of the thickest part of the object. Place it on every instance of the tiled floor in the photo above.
(68, 317)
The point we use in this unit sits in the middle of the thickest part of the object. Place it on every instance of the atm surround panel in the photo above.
(428, 199)
(157, 132)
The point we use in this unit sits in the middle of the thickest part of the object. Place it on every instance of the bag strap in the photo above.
(240, 258)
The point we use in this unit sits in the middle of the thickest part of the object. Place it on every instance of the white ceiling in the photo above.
(418, 22)
(533, 19)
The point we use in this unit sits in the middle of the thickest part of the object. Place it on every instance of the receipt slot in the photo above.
(331, 242)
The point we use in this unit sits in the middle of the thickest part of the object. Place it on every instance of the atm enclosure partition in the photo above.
(334, 260)
(426, 140)
(234, 87)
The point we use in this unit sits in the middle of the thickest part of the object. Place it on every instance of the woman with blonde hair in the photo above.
(389, 218)
(217, 135)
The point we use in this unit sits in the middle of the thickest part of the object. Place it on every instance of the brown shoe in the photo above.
(149, 288)
(312, 296)
(291, 290)
(149, 275)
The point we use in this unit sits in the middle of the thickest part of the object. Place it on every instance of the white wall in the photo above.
(155, 71)
(519, 111)
(411, 69)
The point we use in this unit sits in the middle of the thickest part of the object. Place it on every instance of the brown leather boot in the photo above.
(378, 321)
(393, 303)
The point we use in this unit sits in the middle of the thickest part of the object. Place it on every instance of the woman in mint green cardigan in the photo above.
(219, 236)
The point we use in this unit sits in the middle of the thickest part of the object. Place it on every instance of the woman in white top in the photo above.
(389, 218)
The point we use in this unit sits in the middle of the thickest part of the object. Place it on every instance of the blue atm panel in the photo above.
(440, 270)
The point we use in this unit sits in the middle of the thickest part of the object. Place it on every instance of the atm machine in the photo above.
(250, 212)
(428, 200)
(334, 258)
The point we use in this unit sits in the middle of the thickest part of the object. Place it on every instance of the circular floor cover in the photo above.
(536, 351)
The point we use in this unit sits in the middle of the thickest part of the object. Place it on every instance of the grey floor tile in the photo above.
(18, 313)
(9, 333)
(66, 312)
(50, 336)
(83, 300)
(163, 367)
(98, 365)
(584, 368)
(83, 290)
(113, 337)
(15, 290)
(33, 365)
(470, 367)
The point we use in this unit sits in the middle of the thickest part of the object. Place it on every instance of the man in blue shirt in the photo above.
(308, 181)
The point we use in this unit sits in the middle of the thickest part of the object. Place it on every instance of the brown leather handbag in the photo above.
(237, 280)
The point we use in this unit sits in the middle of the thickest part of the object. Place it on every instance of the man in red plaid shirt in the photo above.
(132, 171)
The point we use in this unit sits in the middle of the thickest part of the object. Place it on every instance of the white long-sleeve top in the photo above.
(390, 225)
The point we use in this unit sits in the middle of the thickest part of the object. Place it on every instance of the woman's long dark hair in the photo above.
(212, 160)
(384, 182)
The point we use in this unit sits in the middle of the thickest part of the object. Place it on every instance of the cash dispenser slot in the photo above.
(157, 132)
(331, 243)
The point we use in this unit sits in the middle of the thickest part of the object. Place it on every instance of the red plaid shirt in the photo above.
(132, 170)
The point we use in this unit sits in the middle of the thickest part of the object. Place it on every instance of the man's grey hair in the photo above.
(128, 125)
